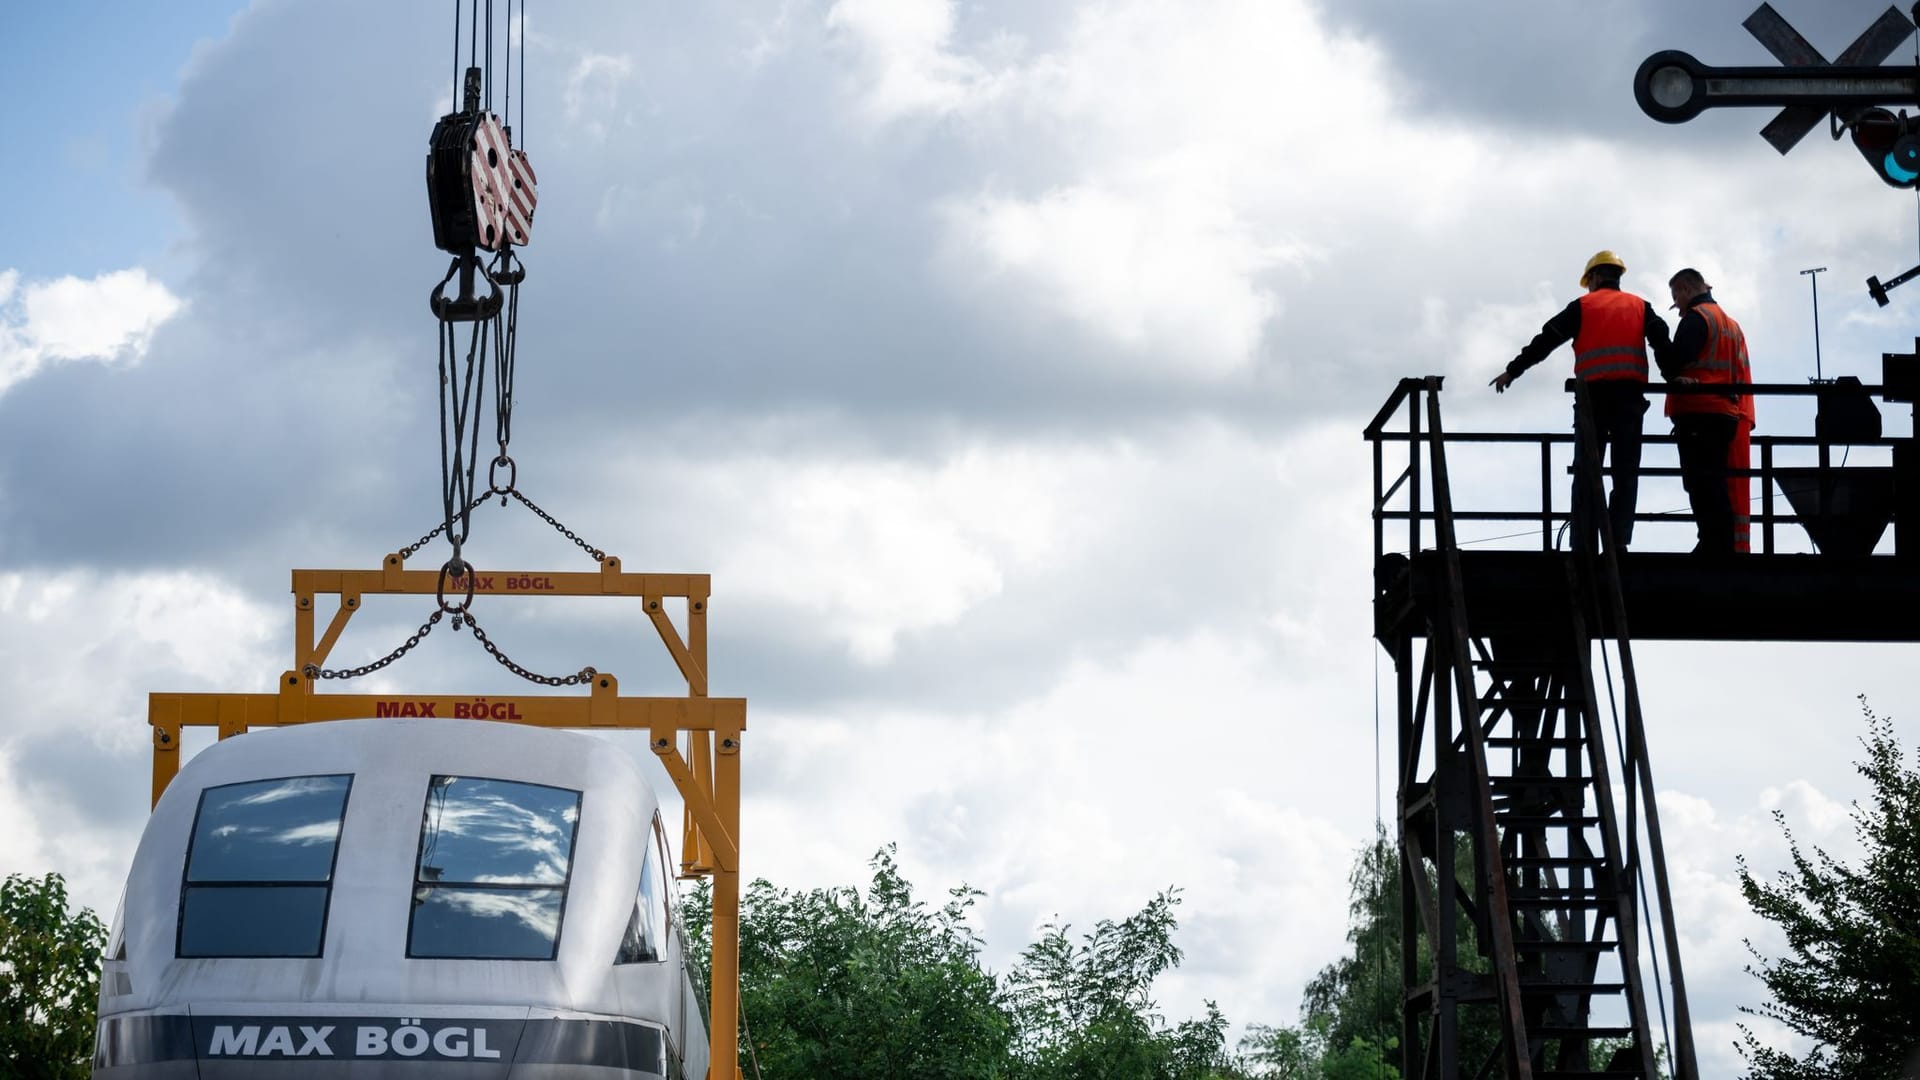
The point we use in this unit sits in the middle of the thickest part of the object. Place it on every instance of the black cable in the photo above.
(488, 92)
(473, 34)
(523, 75)
(506, 107)
(455, 107)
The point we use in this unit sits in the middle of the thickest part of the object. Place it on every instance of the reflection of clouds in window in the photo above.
(258, 865)
(269, 830)
(319, 832)
(535, 911)
(290, 788)
(498, 832)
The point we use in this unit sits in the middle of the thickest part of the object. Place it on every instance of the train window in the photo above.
(491, 879)
(260, 867)
(646, 930)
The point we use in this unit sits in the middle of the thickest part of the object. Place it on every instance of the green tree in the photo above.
(1084, 1010)
(834, 983)
(1851, 974)
(49, 980)
(1350, 1012)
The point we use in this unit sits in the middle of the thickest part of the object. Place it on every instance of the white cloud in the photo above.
(1169, 274)
(80, 651)
(592, 91)
(910, 68)
(110, 319)
(890, 548)
(192, 630)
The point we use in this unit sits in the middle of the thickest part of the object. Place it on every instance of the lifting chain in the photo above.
(584, 675)
(315, 671)
(598, 555)
(460, 615)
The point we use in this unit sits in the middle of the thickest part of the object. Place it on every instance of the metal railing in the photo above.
(1775, 458)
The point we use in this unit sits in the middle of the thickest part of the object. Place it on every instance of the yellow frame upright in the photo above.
(696, 737)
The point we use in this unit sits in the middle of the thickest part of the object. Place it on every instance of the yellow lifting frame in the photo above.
(706, 771)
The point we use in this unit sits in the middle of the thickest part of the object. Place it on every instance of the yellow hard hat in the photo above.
(1604, 258)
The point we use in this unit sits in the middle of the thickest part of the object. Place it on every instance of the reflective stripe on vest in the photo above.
(1612, 342)
(1722, 360)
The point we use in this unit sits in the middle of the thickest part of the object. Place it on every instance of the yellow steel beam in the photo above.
(693, 670)
(234, 713)
(393, 578)
(716, 831)
(318, 654)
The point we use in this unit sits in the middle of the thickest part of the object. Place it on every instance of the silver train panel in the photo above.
(375, 844)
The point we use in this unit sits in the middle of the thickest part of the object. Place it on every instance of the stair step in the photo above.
(1556, 1074)
(1507, 783)
(1551, 821)
(1505, 697)
(1530, 946)
(1537, 667)
(1560, 901)
(1535, 985)
(1518, 893)
(1563, 1031)
(1521, 862)
(1506, 742)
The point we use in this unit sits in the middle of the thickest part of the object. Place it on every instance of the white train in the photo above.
(407, 899)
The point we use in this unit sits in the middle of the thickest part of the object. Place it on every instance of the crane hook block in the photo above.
(482, 190)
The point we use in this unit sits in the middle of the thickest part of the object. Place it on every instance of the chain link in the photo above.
(598, 555)
(472, 504)
(584, 675)
(315, 671)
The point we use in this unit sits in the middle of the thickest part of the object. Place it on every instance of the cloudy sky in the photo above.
(1004, 362)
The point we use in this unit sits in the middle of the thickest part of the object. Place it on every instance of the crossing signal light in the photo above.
(1891, 144)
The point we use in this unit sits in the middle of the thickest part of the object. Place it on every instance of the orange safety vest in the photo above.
(1612, 342)
(1722, 360)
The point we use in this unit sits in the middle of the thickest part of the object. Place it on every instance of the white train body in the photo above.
(402, 898)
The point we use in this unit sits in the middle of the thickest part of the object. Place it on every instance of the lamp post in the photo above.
(1813, 275)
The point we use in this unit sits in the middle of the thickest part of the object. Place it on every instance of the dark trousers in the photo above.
(1618, 407)
(1703, 440)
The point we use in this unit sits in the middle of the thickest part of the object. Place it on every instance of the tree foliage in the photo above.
(841, 983)
(837, 983)
(49, 980)
(1850, 977)
(1084, 1010)
(1350, 1012)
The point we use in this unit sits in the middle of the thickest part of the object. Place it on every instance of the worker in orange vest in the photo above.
(1708, 349)
(1611, 331)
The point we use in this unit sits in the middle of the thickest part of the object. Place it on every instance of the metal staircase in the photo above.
(1520, 877)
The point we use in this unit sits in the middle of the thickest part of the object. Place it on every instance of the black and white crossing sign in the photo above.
(1873, 46)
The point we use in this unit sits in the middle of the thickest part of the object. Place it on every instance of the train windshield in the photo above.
(260, 867)
(491, 879)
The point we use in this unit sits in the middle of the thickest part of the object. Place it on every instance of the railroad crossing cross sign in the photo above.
(1873, 45)
(1674, 87)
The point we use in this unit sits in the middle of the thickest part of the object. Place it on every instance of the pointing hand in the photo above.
(1501, 382)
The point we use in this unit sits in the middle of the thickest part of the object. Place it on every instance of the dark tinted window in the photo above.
(260, 867)
(491, 879)
(253, 920)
